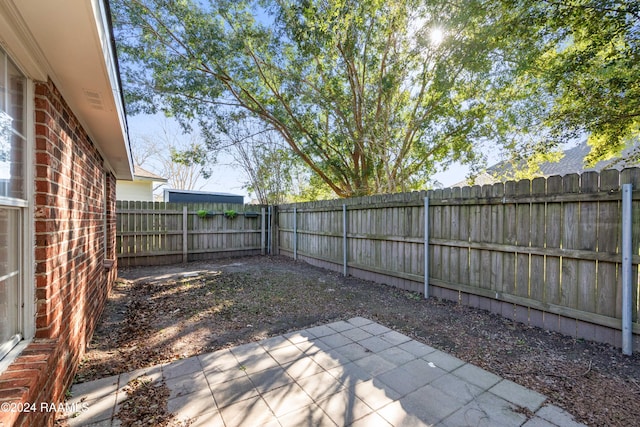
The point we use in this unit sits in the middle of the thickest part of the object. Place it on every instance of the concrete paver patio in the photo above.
(356, 373)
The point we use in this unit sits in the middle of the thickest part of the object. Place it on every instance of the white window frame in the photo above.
(26, 301)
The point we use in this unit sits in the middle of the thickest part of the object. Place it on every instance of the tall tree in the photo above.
(144, 149)
(183, 159)
(366, 92)
(267, 162)
(575, 72)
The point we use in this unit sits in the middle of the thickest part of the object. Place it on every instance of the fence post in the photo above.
(263, 233)
(426, 247)
(344, 240)
(295, 234)
(185, 249)
(627, 251)
(269, 230)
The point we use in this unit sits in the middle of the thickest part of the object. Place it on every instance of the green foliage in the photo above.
(181, 158)
(231, 214)
(272, 178)
(194, 155)
(268, 163)
(367, 101)
(312, 188)
(526, 166)
(354, 87)
(580, 75)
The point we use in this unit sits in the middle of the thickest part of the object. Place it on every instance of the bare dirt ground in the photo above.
(156, 315)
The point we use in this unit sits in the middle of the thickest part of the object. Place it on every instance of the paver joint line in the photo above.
(354, 371)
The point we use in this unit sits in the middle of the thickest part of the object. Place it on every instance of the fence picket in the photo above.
(553, 240)
(475, 228)
(464, 233)
(587, 240)
(435, 232)
(509, 236)
(538, 223)
(150, 233)
(608, 231)
(523, 238)
(548, 245)
(454, 252)
(521, 242)
(570, 240)
(486, 237)
(497, 237)
(445, 221)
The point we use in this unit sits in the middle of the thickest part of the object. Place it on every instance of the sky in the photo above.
(226, 177)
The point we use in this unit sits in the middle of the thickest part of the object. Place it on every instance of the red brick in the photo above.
(19, 365)
(71, 283)
(20, 382)
(43, 158)
(12, 394)
(19, 373)
(33, 357)
(42, 185)
(8, 418)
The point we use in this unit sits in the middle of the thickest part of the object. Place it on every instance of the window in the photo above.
(13, 202)
(9, 280)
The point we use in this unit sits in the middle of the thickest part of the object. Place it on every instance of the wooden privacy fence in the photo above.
(152, 233)
(545, 252)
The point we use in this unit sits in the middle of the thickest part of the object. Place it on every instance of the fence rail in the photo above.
(152, 233)
(542, 251)
(545, 252)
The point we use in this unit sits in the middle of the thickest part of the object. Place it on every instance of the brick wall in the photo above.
(72, 245)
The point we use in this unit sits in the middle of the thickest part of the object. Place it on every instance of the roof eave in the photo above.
(71, 43)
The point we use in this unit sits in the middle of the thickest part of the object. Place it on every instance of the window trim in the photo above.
(14, 203)
(27, 294)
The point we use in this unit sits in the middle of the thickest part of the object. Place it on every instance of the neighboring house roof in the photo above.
(189, 196)
(571, 162)
(482, 178)
(207, 193)
(140, 174)
(71, 42)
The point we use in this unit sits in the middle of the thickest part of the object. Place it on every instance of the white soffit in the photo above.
(69, 41)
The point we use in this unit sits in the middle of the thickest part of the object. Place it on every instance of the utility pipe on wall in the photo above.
(627, 252)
